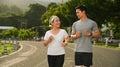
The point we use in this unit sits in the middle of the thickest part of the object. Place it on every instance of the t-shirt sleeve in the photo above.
(65, 34)
(46, 36)
(73, 27)
(95, 27)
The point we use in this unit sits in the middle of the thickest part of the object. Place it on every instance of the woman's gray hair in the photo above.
(52, 19)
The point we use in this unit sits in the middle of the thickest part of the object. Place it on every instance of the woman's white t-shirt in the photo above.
(55, 46)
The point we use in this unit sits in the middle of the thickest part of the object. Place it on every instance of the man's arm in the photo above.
(75, 35)
(96, 34)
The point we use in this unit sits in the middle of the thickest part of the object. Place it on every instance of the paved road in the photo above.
(33, 54)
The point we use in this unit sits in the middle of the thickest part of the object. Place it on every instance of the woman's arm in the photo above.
(46, 42)
(66, 41)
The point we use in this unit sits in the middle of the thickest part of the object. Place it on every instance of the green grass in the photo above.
(9, 48)
(104, 46)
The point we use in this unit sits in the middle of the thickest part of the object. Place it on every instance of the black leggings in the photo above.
(56, 61)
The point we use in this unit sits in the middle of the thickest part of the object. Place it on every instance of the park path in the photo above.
(33, 54)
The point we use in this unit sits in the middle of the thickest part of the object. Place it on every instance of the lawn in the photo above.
(10, 48)
(109, 46)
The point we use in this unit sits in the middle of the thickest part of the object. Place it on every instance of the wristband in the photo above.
(73, 35)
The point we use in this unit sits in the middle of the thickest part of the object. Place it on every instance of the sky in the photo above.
(55, 0)
(25, 3)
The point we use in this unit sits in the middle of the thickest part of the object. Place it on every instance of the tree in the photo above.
(50, 10)
(101, 11)
(10, 33)
(4, 9)
(26, 34)
(34, 14)
(13, 20)
(15, 9)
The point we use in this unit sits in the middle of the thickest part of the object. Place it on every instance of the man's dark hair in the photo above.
(82, 8)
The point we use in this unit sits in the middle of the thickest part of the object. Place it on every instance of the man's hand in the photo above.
(96, 34)
(87, 33)
(76, 35)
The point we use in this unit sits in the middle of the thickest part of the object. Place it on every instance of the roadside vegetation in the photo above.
(34, 22)
(10, 48)
(19, 34)
(108, 46)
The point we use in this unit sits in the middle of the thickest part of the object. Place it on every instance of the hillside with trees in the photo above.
(37, 17)
(102, 11)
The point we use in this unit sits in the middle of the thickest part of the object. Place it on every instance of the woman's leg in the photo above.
(51, 61)
(60, 61)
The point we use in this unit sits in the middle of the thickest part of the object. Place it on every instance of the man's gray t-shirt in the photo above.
(83, 43)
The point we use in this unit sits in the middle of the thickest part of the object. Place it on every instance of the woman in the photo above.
(54, 39)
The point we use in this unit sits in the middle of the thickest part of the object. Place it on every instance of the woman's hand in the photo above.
(50, 39)
(46, 42)
(64, 44)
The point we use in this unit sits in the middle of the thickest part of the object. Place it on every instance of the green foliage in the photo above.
(34, 14)
(26, 34)
(98, 10)
(117, 31)
(13, 16)
(15, 9)
(5, 33)
(109, 46)
(9, 48)
(52, 6)
(49, 12)
(101, 11)
(6, 11)
(22, 33)
(13, 20)
(9, 33)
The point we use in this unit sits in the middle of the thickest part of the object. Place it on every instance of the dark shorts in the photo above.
(56, 61)
(83, 58)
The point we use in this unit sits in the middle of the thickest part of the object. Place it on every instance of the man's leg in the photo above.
(88, 59)
(78, 59)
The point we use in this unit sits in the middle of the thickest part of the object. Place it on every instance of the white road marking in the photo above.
(31, 51)
(18, 59)
(13, 61)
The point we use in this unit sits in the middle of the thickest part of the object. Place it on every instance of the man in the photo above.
(83, 31)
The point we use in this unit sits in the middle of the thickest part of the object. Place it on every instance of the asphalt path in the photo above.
(34, 54)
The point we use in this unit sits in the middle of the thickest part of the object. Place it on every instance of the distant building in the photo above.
(6, 28)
